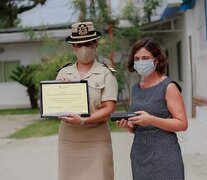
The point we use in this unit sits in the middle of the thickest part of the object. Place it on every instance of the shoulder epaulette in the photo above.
(110, 68)
(68, 64)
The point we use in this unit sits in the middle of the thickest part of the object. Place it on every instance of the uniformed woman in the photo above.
(85, 149)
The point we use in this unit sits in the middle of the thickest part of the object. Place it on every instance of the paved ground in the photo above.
(36, 158)
(10, 124)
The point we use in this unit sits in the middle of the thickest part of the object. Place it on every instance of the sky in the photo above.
(57, 12)
(62, 12)
(53, 12)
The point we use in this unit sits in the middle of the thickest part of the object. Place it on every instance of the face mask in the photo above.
(85, 54)
(144, 67)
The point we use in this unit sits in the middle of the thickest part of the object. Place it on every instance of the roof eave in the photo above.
(33, 36)
(156, 26)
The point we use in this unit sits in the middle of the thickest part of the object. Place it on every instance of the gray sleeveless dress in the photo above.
(155, 153)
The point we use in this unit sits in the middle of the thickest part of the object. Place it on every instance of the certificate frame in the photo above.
(58, 98)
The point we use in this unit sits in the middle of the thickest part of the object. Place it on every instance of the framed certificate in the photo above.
(59, 98)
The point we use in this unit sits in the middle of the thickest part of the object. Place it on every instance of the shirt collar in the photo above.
(94, 70)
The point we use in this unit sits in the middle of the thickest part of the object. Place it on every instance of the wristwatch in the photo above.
(82, 121)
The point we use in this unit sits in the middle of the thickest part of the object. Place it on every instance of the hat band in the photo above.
(81, 37)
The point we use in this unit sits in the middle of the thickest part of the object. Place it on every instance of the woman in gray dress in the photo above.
(155, 153)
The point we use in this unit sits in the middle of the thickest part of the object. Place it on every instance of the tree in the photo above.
(25, 76)
(131, 15)
(99, 13)
(30, 76)
(48, 69)
(9, 9)
(55, 54)
(115, 38)
(82, 6)
(149, 7)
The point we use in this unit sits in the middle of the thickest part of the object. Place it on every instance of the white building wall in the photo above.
(195, 62)
(201, 56)
(13, 94)
(27, 53)
(187, 75)
(18, 46)
(169, 44)
(196, 28)
(194, 52)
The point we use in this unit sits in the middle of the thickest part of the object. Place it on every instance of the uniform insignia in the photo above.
(110, 68)
(82, 29)
(68, 64)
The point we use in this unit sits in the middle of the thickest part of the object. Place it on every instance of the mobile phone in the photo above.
(122, 115)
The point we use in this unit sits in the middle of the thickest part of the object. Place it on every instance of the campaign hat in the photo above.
(82, 32)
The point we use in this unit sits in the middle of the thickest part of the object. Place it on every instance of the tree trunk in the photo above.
(32, 92)
(149, 16)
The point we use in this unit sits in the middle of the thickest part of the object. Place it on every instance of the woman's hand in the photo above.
(122, 123)
(126, 124)
(143, 118)
(72, 119)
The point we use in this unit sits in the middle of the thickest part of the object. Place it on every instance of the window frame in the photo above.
(179, 60)
(3, 75)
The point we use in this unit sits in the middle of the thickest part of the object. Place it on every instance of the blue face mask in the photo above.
(144, 67)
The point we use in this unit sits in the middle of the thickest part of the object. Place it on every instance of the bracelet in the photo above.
(82, 121)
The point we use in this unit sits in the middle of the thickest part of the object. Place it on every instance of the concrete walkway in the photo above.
(10, 124)
(36, 158)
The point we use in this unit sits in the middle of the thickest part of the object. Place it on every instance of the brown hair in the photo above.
(154, 48)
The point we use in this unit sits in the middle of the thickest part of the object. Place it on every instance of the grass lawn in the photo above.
(44, 127)
(18, 111)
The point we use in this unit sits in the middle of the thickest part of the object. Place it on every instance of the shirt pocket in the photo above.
(95, 91)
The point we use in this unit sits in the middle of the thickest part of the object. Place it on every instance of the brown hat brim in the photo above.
(71, 40)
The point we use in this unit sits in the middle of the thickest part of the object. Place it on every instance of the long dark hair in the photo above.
(152, 46)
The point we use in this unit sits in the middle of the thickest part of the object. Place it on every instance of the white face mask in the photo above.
(144, 67)
(85, 54)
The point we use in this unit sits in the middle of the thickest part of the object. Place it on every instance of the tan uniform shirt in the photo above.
(102, 87)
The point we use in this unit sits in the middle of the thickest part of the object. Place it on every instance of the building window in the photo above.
(179, 60)
(6, 69)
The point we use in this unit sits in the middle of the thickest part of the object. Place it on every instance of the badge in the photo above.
(82, 29)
